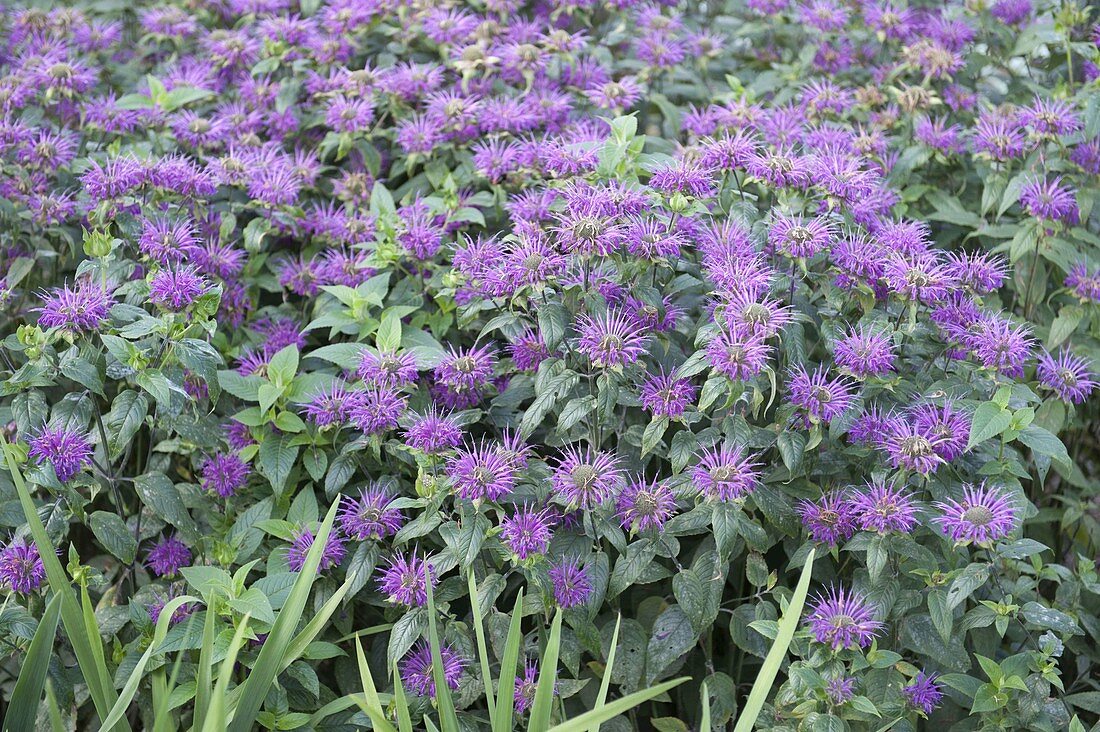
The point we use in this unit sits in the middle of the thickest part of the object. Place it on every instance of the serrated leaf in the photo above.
(112, 533)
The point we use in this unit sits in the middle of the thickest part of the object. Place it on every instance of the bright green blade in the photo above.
(91, 666)
(216, 720)
(605, 683)
(404, 719)
(772, 662)
(204, 680)
(314, 627)
(548, 677)
(448, 719)
(483, 653)
(56, 723)
(371, 705)
(506, 684)
(704, 720)
(615, 708)
(274, 651)
(23, 705)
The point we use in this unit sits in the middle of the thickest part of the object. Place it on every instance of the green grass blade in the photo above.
(130, 689)
(23, 704)
(548, 677)
(404, 719)
(56, 723)
(605, 683)
(314, 627)
(204, 680)
(506, 684)
(95, 673)
(482, 649)
(448, 719)
(704, 719)
(270, 661)
(371, 704)
(216, 717)
(774, 660)
(615, 708)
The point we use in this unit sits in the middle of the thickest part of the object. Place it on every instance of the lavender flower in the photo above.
(947, 427)
(739, 354)
(404, 582)
(481, 472)
(843, 619)
(840, 690)
(68, 452)
(225, 474)
(1048, 200)
(1068, 376)
(377, 409)
(527, 532)
(829, 520)
(369, 516)
(433, 432)
(725, 474)
(911, 448)
(176, 290)
(822, 398)
(983, 516)
(21, 567)
(666, 395)
(526, 686)
(923, 693)
(643, 505)
(417, 668)
(393, 370)
(586, 478)
(572, 587)
(79, 309)
(612, 340)
(331, 555)
(166, 558)
(331, 406)
(466, 369)
(882, 508)
(864, 353)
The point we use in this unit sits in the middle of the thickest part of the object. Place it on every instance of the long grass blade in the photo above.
(482, 648)
(56, 723)
(95, 673)
(274, 651)
(704, 718)
(400, 702)
(216, 718)
(204, 680)
(314, 627)
(774, 660)
(371, 704)
(605, 683)
(448, 718)
(23, 705)
(548, 677)
(617, 707)
(159, 634)
(506, 684)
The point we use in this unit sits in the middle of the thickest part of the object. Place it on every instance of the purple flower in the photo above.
(433, 432)
(225, 474)
(725, 473)
(160, 601)
(387, 369)
(983, 273)
(829, 520)
(840, 690)
(79, 309)
(843, 619)
(1000, 345)
(176, 290)
(527, 532)
(528, 351)
(404, 582)
(369, 516)
(923, 693)
(526, 686)
(911, 448)
(481, 472)
(872, 427)
(1050, 117)
(983, 516)
(613, 340)
(683, 178)
(330, 406)
(1048, 200)
(666, 395)
(68, 452)
(865, 353)
(882, 508)
(572, 587)
(377, 409)
(167, 240)
(21, 566)
(466, 369)
(167, 556)
(331, 555)
(1066, 375)
(418, 670)
(739, 354)
(823, 399)
(586, 478)
(643, 505)
(1084, 283)
(947, 427)
(794, 236)
(998, 138)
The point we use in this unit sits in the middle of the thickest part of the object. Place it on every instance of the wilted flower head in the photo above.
(982, 516)
(843, 619)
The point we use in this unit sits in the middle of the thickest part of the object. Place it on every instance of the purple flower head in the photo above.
(725, 473)
(1000, 345)
(225, 474)
(739, 354)
(161, 601)
(923, 693)
(330, 406)
(982, 516)
(667, 395)
(752, 313)
(918, 276)
(527, 532)
(570, 581)
(466, 369)
(21, 566)
(982, 273)
(843, 619)
(1066, 375)
(613, 340)
(683, 178)
(482, 472)
(377, 409)
(331, 555)
(528, 351)
(1048, 200)
(1083, 282)
(167, 240)
(433, 431)
(883, 508)
(830, 519)
(69, 452)
(840, 690)
(79, 309)
(643, 505)
(822, 398)
(865, 353)
(998, 138)
(418, 670)
(872, 427)
(387, 369)
(947, 427)
(370, 516)
(526, 686)
(176, 290)
(586, 478)
(1050, 117)
(911, 448)
(167, 556)
(795, 236)
(1011, 12)
(404, 582)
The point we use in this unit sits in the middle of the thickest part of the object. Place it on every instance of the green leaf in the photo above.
(1049, 618)
(615, 708)
(1045, 442)
(276, 460)
(548, 674)
(605, 682)
(506, 681)
(113, 535)
(255, 603)
(448, 719)
(671, 638)
(157, 492)
(970, 579)
(25, 697)
(127, 414)
(791, 446)
(989, 420)
(283, 366)
(388, 337)
(942, 615)
(482, 648)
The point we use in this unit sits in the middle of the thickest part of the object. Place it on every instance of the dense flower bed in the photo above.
(629, 306)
